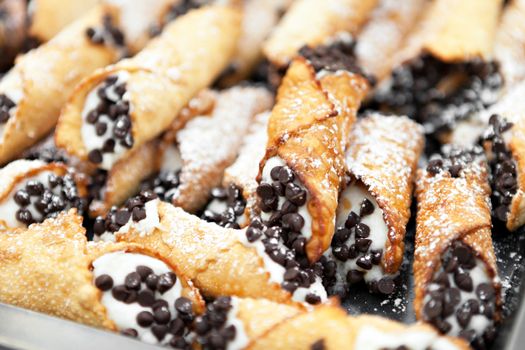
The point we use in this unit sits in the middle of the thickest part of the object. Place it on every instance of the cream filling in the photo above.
(172, 159)
(478, 323)
(350, 200)
(371, 338)
(88, 132)
(303, 211)
(8, 207)
(277, 271)
(241, 339)
(118, 265)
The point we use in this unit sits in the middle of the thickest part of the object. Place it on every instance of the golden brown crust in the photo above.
(383, 154)
(516, 216)
(308, 129)
(44, 77)
(48, 17)
(163, 77)
(452, 209)
(454, 31)
(55, 254)
(209, 255)
(312, 22)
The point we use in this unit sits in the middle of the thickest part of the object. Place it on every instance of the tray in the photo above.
(26, 330)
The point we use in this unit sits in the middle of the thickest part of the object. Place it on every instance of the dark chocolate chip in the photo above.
(129, 332)
(166, 281)
(367, 208)
(354, 276)
(362, 230)
(352, 220)
(312, 299)
(152, 281)
(485, 291)
(286, 175)
(104, 282)
(132, 281)
(386, 285)
(463, 281)
(146, 298)
(145, 319)
(432, 309)
(183, 305)
(159, 331)
(162, 315)
(364, 262)
(95, 156)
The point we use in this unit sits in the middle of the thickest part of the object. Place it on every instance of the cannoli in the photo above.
(457, 288)
(259, 18)
(119, 287)
(506, 144)
(510, 39)
(120, 108)
(12, 30)
(389, 25)
(194, 158)
(48, 17)
(311, 23)
(34, 91)
(218, 260)
(302, 170)
(374, 207)
(444, 73)
(232, 323)
(32, 191)
(234, 204)
(329, 327)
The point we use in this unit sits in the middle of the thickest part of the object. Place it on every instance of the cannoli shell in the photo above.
(455, 31)
(312, 22)
(383, 155)
(49, 17)
(44, 77)
(204, 150)
(56, 255)
(516, 145)
(335, 328)
(190, 53)
(211, 256)
(306, 130)
(452, 209)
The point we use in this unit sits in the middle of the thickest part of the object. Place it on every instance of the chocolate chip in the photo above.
(138, 214)
(354, 276)
(454, 170)
(104, 282)
(485, 291)
(24, 216)
(166, 281)
(294, 222)
(162, 315)
(146, 298)
(286, 175)
(122, 217)
(183, 305)
(362, 230)
(376, 256)
(253, 234)
(463, 315)
(435, 166)
(299, 245)
(265, 191)
(99, 226)
(295, 194)
(101, 128)
(274, 173)
(34, 188)
(364, 262)
(22, 198)
(341, 252)
(363, 244)
(145, 319)
(352, 220)
(109, 146)
(432, 308)
(129, 332)
(386, 285)
(132, 281)
(463, 281)
(312, 299)
(176, 327)
(159, 331)
(442, 279)
(451, 265)
(318, 345)
(462, 253)
(152, 281)
(95, 156)
(367, 208)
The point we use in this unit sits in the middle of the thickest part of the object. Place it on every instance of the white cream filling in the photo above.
(303, 210)
(478, 323)
(241, 339)
(371, 338)
(277, 271)
(118, 265)
(8, 207)
(350, 200)
(172, 159)
(88, 132)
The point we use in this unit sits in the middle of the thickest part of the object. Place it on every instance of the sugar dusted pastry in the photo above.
(457, 288)
(194, 158)
(119, 287)
(301, 172)
(120, 108)
(36, 88)
(32, 191)
(374, 206)
(444, 71)
(310, 22)
(389, 25)
(218, 260)
(329, 327)
(234, 203)
(12, 30)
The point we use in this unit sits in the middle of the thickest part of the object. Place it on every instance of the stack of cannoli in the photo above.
(444, 73)
(374, 207)
(457, 288)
